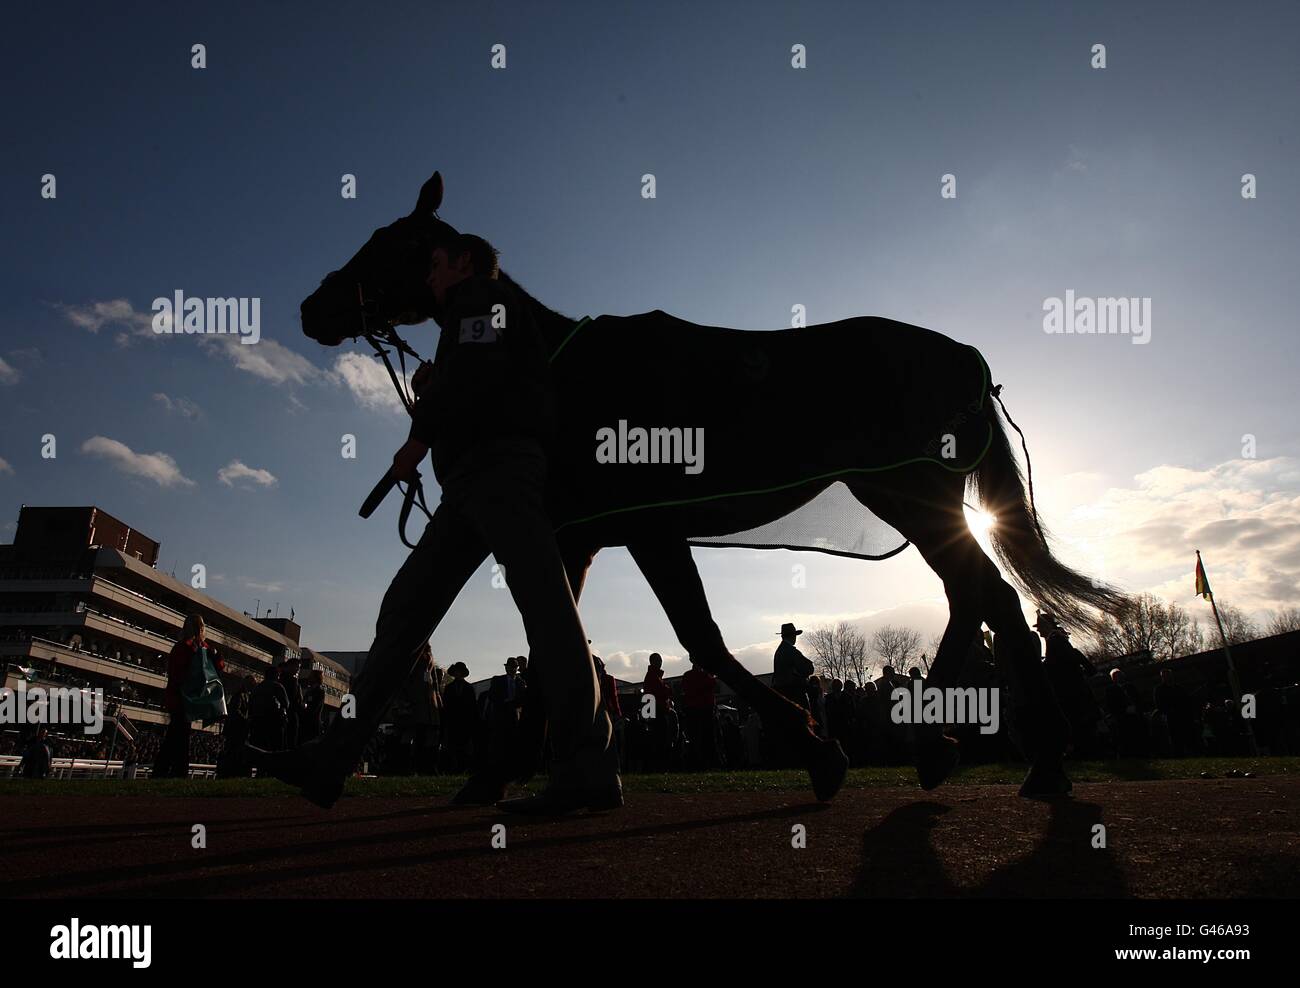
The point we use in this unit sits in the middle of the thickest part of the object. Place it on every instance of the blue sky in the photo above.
(775, 187)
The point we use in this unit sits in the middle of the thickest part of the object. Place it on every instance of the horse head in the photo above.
(384, 282)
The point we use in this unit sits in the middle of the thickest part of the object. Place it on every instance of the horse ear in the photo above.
(430, 196)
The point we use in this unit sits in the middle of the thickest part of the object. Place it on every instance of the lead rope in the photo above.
(412, 493)
(1029, 466)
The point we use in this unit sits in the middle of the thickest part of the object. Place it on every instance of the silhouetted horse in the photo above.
(900, 414)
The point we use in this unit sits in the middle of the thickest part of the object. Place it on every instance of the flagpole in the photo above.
(1233, 682)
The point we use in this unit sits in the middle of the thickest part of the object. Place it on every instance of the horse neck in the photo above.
(554, 326)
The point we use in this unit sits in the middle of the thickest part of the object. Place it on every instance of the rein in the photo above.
(382, 334)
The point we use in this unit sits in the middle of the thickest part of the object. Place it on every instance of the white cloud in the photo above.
(264, 587)
(180, 406)
(368, 381)
(631, 666)
(1244, 516)
(8, 373)
(119, 312)
(235, 471)
(4, 466)
(264, 359)
(158, 467)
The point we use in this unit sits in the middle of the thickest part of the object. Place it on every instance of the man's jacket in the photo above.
(491, 374)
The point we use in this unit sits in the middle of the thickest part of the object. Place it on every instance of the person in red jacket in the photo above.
(174, 753)
(654, 686)
(699, 687)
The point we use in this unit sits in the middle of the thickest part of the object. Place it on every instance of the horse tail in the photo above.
(1021, 543)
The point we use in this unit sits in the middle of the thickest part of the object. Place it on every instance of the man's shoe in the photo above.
(553, 801)
(1046, 779)
(480, 790)
(589, 780)
(936, 757)
(319, 775)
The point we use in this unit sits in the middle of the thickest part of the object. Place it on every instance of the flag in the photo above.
(1202, 583)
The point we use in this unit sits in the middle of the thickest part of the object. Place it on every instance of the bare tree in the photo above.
(1284, 619)
(839, 652)
(1237, 627)
(896, 646)
(1147, 623)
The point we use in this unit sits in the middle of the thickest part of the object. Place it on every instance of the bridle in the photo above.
(381, 333)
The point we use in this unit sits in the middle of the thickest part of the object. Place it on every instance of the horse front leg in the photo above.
(670, 570)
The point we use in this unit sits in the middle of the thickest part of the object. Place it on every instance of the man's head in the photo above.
(512, 666)
(522, 661)
(194, 627)
(1047, 625)
(789, 633)
(656, 660)
(466, 256)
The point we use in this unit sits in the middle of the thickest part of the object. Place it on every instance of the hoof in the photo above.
(935, 760)
(480, 790)
(827, 765)
(1046, 779)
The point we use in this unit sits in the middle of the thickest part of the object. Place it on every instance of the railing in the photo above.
(97, 768)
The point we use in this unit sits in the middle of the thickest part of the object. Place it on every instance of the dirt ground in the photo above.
(1192, 839)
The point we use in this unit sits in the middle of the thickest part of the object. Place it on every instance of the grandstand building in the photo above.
(82, 605)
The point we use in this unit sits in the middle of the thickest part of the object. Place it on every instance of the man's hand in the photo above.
(421, 376)
(407, 460)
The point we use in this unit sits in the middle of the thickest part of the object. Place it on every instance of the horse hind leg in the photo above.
(928, 512)
(1043, 728)
(671, 572)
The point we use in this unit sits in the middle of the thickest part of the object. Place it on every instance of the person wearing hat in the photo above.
(506, 698)
(791, 668)
(460, 717)
(790, 672)
(1069, 672)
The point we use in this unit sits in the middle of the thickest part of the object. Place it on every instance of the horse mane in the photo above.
(555, 326)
